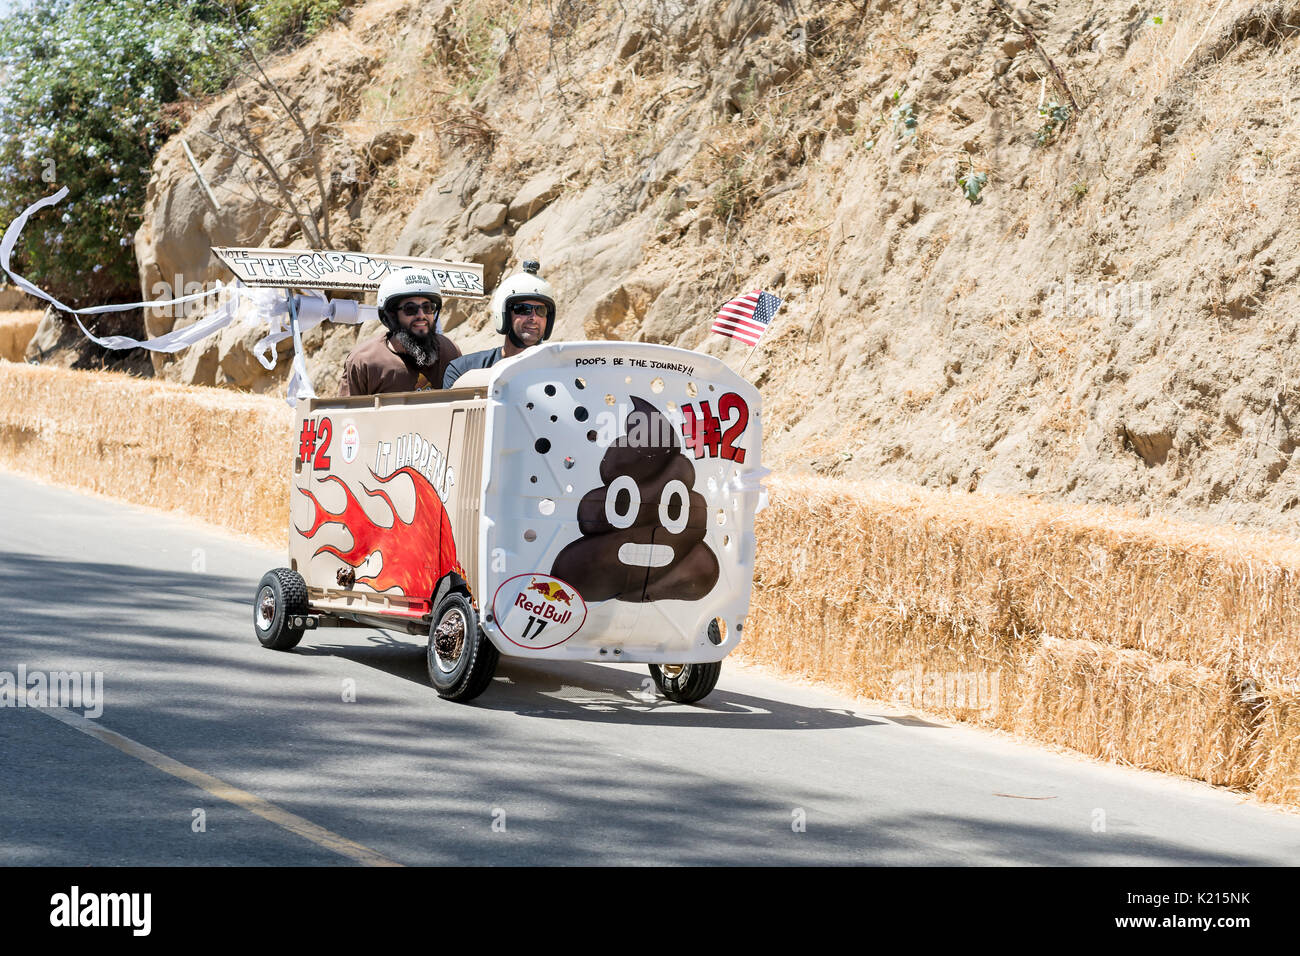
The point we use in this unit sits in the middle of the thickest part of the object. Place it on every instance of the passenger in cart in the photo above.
(413, 354)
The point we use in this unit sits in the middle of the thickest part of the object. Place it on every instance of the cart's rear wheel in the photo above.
(460, 658)
(686, 683)
(281, 595)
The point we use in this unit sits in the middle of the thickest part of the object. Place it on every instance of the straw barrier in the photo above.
(1148, 642)
(212, 454)
(1142, 641)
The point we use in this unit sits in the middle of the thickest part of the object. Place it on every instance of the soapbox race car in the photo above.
(588, 501)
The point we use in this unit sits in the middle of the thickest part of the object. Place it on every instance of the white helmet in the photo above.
(520, 286)
(400, 284)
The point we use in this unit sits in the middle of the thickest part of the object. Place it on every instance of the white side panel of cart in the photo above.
(664, 447)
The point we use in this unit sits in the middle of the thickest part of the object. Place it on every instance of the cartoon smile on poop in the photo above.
(643, 529)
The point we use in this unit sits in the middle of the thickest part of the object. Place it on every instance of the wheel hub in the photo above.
(672, 671)
(449, 640)
(265, 608)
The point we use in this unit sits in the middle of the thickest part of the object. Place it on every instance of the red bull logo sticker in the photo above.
(537, 611)
(350, 443)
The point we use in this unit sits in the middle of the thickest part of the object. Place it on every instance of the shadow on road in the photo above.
(423, 780)
(570, 690)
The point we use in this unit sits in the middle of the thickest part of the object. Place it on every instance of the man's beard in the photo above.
(423, 349)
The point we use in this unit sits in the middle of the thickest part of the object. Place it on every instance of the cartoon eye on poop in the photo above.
(643, 529)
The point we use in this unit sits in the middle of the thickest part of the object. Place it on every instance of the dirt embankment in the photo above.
(987, 286)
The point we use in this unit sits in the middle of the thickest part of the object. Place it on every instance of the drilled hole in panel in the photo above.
(591, 435)
(546, 506)
(568, 489)
(722, 517)
(542, 445)
(555, 418)
(530, 535)
(580, 382)
(691, 390)
(717, 631)
(580, 413)
(529, 406)
(610, 399)
(628, 380)
(568, 462)
(550, 391)
(533, 479)
(656, 385)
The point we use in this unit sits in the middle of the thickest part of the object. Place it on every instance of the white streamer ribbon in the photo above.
(269, 305)
(173, 341)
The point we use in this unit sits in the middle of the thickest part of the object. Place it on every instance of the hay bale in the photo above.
(1129, 707)
(1196, 594)
(215, 455)
(940, 666)
(1122, 637)
(1278, 747)
(16, 330)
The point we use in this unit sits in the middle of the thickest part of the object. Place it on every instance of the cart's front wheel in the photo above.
(686, 683)
(281, 595)
(461, 659)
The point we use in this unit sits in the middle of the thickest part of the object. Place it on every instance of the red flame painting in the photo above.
(415, 554)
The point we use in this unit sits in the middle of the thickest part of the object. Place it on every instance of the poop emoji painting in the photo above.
(643, 529)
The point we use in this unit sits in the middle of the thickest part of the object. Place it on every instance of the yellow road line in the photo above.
(220, 789)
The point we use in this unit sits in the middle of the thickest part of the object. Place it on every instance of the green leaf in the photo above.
(972, 184)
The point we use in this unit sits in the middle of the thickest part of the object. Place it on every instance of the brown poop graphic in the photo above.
(643, 530)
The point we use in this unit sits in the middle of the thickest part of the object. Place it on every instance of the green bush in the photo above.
(276, 22)
(83, 86)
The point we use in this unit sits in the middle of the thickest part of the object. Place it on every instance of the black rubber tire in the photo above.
(464, 669)
(287, 594)
(694, 683)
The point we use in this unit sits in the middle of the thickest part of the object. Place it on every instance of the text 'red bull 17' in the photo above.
(588, 501)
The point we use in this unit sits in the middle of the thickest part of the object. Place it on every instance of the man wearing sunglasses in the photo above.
(524, 309)
(414, 353)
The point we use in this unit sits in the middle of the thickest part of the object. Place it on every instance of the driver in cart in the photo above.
(524, 308)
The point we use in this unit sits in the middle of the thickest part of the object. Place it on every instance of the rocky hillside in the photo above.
(1048, 250)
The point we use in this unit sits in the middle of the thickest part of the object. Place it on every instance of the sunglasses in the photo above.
(415, 308)
(528, 308)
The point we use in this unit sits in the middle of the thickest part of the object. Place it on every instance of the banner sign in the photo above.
(356, 271)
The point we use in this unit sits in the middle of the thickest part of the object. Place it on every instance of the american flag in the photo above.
(746, 317)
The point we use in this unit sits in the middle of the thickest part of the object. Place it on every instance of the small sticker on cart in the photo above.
(537, 611)
(350, 443)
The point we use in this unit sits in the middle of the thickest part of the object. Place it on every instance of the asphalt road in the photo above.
(568, 763)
